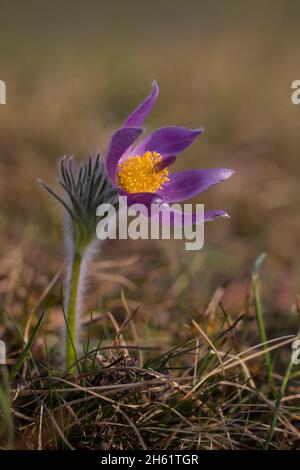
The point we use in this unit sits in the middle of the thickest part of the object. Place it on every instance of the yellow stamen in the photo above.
(141, 173)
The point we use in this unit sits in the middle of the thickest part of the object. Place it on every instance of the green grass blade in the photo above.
(281, 394)
(5, 406)
(259, 315)
(22, 358)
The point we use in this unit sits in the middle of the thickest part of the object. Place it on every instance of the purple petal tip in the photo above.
(211, 215)
(227, 172)
(196, 132)
(154, 85)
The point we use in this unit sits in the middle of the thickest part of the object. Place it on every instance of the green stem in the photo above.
(72, 312)
(281, 394)
(277, 405)
(261, 326)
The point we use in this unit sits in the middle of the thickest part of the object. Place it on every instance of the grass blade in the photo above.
(281, 394)
(22, 358)
(259, 316)
(5, 406)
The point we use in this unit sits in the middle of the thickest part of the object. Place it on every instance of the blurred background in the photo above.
(74, 70)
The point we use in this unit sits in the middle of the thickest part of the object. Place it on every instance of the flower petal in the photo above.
(188, 183)
(211, 215)
(138, 116)
(143, 199)
(120, 142)
(165, 214)
(140, 198)
(167, 141)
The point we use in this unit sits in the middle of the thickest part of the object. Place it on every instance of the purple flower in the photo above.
(142, 171)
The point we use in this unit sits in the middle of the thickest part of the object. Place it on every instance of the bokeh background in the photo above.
(74, 70)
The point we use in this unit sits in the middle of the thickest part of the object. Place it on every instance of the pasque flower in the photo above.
(141, 171)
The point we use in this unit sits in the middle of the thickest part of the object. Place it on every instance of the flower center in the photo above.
(144, 173)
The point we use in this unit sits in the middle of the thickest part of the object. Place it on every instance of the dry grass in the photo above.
(209, 391)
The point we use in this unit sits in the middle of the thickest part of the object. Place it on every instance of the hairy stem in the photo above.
(73, 300)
